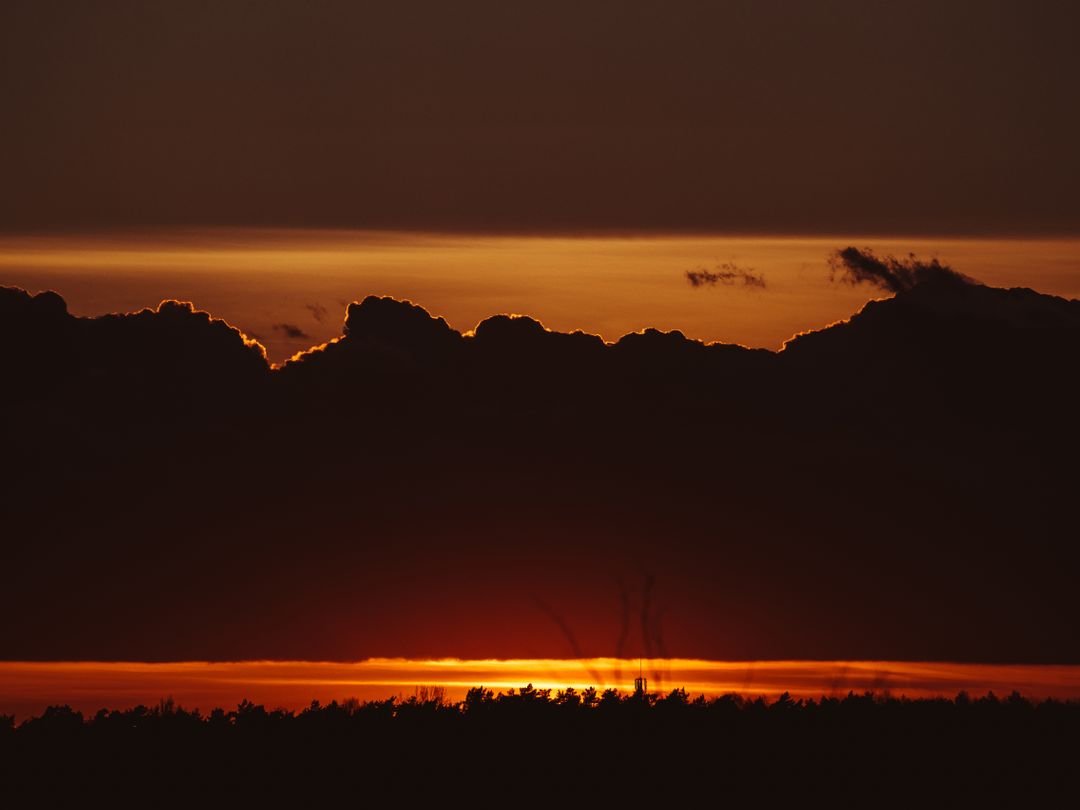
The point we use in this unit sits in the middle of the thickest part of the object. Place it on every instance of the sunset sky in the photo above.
(889, 481)
(87, 686)
(289, 289)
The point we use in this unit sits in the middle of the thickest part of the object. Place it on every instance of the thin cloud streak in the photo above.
(727, 274)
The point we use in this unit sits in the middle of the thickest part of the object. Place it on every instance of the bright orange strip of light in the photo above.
(26, 688)
(255, 278)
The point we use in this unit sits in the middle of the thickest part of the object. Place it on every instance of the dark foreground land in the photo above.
(531, 746)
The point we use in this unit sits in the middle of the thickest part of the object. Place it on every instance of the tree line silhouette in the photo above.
(568, 744)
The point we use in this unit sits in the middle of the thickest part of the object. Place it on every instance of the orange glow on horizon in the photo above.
(605, 285)
(26, 688)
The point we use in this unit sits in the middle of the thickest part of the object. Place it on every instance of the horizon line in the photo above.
(27, 687)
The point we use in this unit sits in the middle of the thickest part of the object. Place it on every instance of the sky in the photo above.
(489, 330)
(289, 288)
(842, 116)
(568, 160)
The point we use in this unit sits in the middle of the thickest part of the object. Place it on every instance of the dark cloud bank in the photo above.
(899, 485)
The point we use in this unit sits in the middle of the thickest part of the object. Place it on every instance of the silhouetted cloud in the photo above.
(856, 266)
(437, 479)
(290, 330)
(317, 310)
(727, 274)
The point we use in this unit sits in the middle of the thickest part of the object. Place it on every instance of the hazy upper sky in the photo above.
(846, 116)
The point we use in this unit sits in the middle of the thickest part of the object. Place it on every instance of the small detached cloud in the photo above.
(317, 310)
(728, 274)
(290, 330)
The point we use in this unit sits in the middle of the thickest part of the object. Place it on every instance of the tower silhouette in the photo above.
(641, 683)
